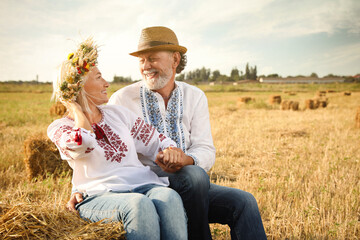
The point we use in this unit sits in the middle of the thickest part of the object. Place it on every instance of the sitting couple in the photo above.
(142, 158)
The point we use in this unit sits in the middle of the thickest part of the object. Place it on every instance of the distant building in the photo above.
(302, 80)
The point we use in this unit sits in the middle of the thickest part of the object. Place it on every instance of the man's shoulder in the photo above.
(190, 89)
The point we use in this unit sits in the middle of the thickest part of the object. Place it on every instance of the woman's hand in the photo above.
(76, 112)
(73, 107)
(172, 159)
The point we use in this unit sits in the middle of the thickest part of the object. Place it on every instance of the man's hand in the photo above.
(173, 159)
(74, 199)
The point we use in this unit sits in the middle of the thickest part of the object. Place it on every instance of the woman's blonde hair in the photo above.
(81, 97)
(68, 86)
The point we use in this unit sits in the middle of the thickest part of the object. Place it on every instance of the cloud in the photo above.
(33, 34)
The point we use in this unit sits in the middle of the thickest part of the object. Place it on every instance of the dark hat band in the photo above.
(153, 44)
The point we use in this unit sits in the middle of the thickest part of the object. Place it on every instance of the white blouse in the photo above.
(185, 120)
(107, 160)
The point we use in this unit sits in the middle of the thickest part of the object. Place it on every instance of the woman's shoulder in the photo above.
(114, 109)
(117, 112)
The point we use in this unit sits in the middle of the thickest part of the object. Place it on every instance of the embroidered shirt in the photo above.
(185, 120)
(107, 159)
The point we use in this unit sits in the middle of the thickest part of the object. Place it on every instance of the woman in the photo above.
(101, 144)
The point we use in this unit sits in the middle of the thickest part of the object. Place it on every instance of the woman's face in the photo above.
(95, 87)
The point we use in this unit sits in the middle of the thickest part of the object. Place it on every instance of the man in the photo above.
(180, 111)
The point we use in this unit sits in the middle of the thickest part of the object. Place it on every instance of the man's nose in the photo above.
(147, 64)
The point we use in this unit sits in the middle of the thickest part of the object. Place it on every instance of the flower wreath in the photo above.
(79, 63)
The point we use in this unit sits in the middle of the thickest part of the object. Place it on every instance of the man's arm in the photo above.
(202, 148)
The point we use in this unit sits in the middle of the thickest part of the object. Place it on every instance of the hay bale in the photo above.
(275, 99)
(42, 157)
(330, 91)
(309, 104)
(57, 109)
(321, 93)
(292, 93)
(245, 99)
(285, 105)
(316, 103)
(347, 93)
(294, 105)
(322, 102)
(357, 118)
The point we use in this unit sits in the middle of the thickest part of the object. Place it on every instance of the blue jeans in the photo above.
(210, 203)
(147, 212)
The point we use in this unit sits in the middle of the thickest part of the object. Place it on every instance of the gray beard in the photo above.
(159, 82)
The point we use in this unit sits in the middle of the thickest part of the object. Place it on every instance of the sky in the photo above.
(287, 37)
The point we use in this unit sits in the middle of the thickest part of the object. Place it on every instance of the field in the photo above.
(302, 166)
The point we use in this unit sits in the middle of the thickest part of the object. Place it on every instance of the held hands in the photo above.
(173, 159)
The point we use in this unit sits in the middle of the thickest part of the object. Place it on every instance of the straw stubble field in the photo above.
(302, 166)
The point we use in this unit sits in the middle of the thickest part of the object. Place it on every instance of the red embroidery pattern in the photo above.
(114, 148)
(56, 139)
(142, 131)
(162, 137)
(89, 150)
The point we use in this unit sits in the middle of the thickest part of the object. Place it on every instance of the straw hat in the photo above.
(158, 39)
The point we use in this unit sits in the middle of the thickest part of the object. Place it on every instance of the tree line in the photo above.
(206, 75)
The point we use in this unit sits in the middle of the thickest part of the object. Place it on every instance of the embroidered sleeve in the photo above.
(72, 143)
(148, 140)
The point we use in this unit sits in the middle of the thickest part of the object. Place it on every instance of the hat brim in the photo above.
(175, 48)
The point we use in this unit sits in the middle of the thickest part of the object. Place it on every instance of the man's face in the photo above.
(157, 68)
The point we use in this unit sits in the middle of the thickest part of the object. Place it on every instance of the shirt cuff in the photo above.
(196, 161)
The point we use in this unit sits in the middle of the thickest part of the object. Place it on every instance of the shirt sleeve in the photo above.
(73, 143)
(148, 141)
(202, 148)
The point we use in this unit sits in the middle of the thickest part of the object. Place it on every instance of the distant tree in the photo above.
(121, 79)
(215, 75)
(314, 75)
(247, 71)
(273, 75)
(330, 76)
(242, 75)
(234, 75)
(204, 74)
(180, 77)
(253, 73)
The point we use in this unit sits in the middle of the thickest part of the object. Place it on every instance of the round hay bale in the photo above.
(323, 102)
(309, 104)
(245, 99)
(330, 91)
(42, 157)
(275, 99)
(316, 103)
(285, 105)
(357, 118)
(347, 93)
(294, 105)
(320, 93)
(57, 109)
(292, 93)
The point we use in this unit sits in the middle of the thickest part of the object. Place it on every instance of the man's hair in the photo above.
(182, 64)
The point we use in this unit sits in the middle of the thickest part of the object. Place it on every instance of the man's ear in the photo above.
(176, 57)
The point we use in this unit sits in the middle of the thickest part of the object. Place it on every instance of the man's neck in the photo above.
(166, 91)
